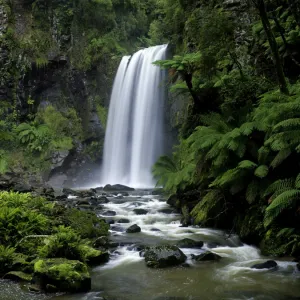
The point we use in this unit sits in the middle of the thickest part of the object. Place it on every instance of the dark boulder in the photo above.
(155, 229)
(269, 264)
(22, 187)
(123, 221)
(173, 201)
(206, 256)
(117, 187)
(189, 243)
(167, 211)
(102, 200)
(140, 211)
(117, 228)
(101, 241)
(164, 256)
(133, 229)
(70, 192)
(109, 213)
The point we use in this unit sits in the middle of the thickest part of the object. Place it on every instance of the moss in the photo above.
(93, 256)
(66, 275)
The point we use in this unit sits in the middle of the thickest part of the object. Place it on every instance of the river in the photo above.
(126, 277)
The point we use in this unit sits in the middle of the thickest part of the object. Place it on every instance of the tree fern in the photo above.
(286, 199)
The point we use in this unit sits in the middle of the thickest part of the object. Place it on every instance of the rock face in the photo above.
(270, 264)
(189, 243)
(65, 275)
(117, 187)
(133, 229)
(206, 256)
(164, 256)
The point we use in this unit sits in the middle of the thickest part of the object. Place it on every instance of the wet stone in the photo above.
(270, 264)
(140, 211)
(133, 229)
(109, 213)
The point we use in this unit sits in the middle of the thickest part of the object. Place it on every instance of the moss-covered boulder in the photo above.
(66, 275)
(93, 256)
(164, 256)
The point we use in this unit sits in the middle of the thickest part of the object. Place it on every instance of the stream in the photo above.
(126, 276)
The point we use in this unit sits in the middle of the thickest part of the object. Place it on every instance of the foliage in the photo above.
(65, 243)
(7, 255)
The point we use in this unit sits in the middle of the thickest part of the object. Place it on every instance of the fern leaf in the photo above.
(261, 171)
(285, 200)
(280, 157)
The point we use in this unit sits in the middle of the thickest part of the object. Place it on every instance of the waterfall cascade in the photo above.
(134, 136)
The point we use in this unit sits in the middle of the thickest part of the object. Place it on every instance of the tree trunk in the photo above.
(260, 5)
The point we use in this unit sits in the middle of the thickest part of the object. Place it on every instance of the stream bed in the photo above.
(126, 277)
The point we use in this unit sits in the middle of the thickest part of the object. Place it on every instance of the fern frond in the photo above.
(279, 185)
(261, 171)
(280, 157)
(283, 201)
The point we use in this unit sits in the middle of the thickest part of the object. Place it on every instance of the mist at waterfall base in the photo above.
(134, 137)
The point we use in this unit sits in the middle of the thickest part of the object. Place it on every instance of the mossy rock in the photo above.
(67, 275)
(208, 213)
(272, 245)
(93, 256)
(18, 276)
(164, 256)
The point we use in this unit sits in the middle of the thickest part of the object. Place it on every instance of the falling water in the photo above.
(134, 135)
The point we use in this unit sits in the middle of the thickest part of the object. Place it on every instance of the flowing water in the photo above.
(134, 135)
(126, 277)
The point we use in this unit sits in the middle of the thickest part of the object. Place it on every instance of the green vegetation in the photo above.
(33, 234)
(239, 144)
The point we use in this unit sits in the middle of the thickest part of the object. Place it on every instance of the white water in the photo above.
(134, 135)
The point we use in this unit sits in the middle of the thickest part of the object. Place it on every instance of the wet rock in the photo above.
(50, 288)
(164, 256)
(70, 192)
(167, 211)
(81, 202)
(109, 213)
(34, 288)
(155, 229)
(270, 264)
(117, 228)
(93, 256)
(173, 201)
(140, 211)
(110, 221)
(22, 188)
(117, 187)
(123, 221)
(189, 243)
(66, 275)
(206, 256)
(113, 244)
(133, 229)
(101, 241)
(102, 200)
(213, 245)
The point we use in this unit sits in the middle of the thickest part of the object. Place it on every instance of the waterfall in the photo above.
(134, 135)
